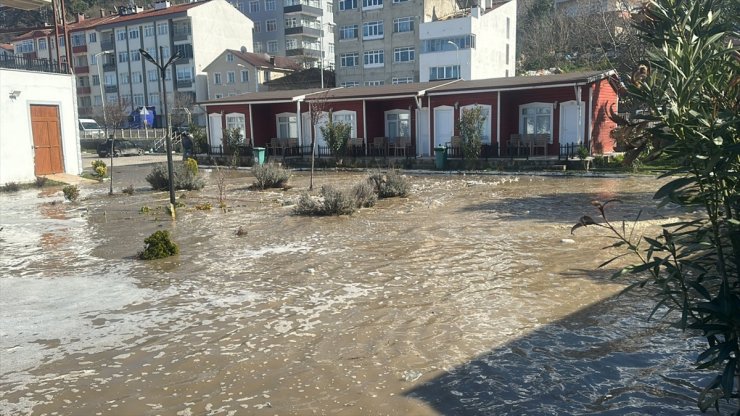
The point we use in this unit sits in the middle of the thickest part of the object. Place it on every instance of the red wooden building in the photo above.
(559, 109)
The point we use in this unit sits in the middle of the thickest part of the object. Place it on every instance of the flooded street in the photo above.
(462, 299)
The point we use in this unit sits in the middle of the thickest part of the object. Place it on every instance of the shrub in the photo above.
(158, 246)
(206, 206)
(337, 202)
(336, 135)
(308, 206)
(390, 185)
(270, 175)
(100, 169)
(184, 175)
(11, 187)
(582, 152)
(129, 190)
(71, 192)
(364, 194)
(41, 181)
(471, 131)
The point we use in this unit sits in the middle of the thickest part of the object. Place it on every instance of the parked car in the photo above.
(90, 129)
(120, 148)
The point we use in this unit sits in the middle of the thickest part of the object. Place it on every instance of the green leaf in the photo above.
(671, 187)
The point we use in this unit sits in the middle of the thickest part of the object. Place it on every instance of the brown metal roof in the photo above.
(146, 14)
(262, 60)
(415, 89)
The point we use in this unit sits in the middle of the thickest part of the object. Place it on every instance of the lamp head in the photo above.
(146, 56)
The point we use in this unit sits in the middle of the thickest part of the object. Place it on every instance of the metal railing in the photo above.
(32, 64)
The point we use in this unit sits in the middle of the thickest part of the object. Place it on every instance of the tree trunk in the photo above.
(313, 157)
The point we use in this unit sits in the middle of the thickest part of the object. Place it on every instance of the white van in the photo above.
(90, 129)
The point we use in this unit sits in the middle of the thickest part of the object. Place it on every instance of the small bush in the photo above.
(337, 202)
(308, 206)
(206, 206)
(390, 185)
(364, 194)
(270, 175)
(158, 246)
(41, 181)
(582, 152)
(71, 192)
(100, 169)
(129, 190)
(185, 177)
(11, 187)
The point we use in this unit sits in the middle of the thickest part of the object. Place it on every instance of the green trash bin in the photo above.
(259, 155)
(440, 157)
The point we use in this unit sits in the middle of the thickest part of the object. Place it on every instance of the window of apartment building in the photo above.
(148, 31)
(287, 125)
(349, 84)
(271, 25)
(42, 44)
(154, 99)
(84, 102)
(166, 53)
(291, 44)
(152, 75)
(257, 27)
(292, 22)
(441, 44)
(269, 5)
(373, 59)
(347, 4)
(330, 49)
(139, 100)
(244, 75)
(184, 73)
(78, 39)
(123, 78)
(444, 72)
(26, 46)
(399, 1)
(375, 83)
(372, 4)
(272, 46)
(61, 41)
(536, 118)
(348, 32)
(329, 7)
(80, 61)
(98, 101)
(135, 56)
(185, 50)
(163, 28)
(254, 6)
(258, 48)
(83, 81)
(217, 78)
(136, 77)
(122, 56)
(96, 80)
(133, 34)
(403, 24)
(230, 77)
(229, 57)
(402, 80)
(217, 96)
(349, 59)
(121, 34)
(168, 75)
(508, 27)
(92, 38)
(405, 54)
(507, 54)
(372, 30)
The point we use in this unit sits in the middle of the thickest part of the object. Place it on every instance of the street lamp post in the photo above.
(105, 117)
(162, 66)
(457, 53)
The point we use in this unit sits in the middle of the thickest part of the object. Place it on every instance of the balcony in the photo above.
(82, 69)
(109, 66)
(303, 30)
(107, 45)
(307, 52)
(184, 83)
(79, 49)
(111, 88)
(303, 9)
(83, 90)
(29, 64)
(85, 111)
(178, 35)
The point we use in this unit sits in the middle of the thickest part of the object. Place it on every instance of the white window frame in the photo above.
(486, 123)
(348, 32)
(347, 5)
(372, 30)
(373, 59)
(398, 121)
(237, 120)
(372, 4)
(402, 80)
(254, 6)
(548, 112)
(346, 116)
(292, 125)
(351, 57)
(269, 5)
(403, 24)
(408, 51)
(244, 76)
(148, 31)
(216, 78)
(271, 25)
(230, 77)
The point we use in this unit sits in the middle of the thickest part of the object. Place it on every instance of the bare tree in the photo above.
(116, 113)
(316, 109)
(182, 109)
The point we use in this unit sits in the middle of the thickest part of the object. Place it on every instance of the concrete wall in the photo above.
(16, 135)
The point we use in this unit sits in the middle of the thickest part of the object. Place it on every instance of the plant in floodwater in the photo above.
(690, 90)
(470, 127)
(364, 194)
(129, 190)
(206, 206)
(100, 169)
(158, 246)
(332, 201)
(270, 175)
(71, 192)
(144, 210)
(11, 187)
(391, 184)
(41, 181)
(184, 175)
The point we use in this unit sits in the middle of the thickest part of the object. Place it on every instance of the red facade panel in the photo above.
(605, 101)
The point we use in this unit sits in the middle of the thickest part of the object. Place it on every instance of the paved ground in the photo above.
(88, 158)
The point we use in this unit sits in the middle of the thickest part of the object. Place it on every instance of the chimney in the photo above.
(272, 60)
(102, 12)
(161, 4)
(80, 17)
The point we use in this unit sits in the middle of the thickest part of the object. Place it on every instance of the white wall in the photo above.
(16, 135)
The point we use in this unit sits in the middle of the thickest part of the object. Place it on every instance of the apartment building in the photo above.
(238, 72)
(299, 29)
(383, 42)
(108, 66)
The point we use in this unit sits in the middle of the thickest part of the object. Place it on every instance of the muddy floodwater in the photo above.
(468, 297)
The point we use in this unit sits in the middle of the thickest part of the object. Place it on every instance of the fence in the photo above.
(32, 64)
(569, 151)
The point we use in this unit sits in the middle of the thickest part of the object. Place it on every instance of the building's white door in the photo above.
(216, 133)
(571, 123)
(306, 126)
(422, 132)
(443, 125)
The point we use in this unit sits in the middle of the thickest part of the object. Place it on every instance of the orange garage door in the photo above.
(47, 140)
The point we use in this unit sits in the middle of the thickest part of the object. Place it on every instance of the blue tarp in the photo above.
(140, 115)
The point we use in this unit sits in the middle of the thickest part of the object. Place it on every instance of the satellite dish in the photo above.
(243, 49)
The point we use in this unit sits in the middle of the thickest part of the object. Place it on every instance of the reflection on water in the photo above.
(462, 299)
